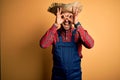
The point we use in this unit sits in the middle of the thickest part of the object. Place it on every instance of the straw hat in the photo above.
(65, 7)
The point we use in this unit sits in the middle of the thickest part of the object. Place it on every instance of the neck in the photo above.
(63, 29)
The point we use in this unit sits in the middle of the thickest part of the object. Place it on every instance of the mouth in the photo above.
(66, 22)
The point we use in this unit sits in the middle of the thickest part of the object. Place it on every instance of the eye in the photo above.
(62, 16)
(70, 16)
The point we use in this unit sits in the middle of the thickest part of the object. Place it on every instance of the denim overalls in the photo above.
(66, 60)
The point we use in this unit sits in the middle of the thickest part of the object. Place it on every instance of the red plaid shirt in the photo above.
(81, 37)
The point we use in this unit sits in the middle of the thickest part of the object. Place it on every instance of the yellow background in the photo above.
(25, 21)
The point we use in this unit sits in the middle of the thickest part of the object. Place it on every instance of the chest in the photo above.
(68, 36)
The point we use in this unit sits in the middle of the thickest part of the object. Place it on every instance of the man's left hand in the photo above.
(75, 15)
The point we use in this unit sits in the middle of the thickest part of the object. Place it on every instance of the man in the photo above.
(66, 41)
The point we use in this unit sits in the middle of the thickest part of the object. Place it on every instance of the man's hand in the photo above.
(59, 19)
(75, 15)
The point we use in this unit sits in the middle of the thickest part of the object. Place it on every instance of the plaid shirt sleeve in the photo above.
(49, 37)
(87, 40)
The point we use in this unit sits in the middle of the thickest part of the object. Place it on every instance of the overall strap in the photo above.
(59, 36)
(73, 35)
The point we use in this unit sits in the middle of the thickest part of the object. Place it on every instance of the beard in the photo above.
(67, 24)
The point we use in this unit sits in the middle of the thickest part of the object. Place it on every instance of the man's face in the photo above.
(67, 20)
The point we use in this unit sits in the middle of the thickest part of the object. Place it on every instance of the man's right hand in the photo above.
(59, 19)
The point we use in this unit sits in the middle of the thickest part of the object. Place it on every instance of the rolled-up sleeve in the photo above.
(48, 38)
(87, 40)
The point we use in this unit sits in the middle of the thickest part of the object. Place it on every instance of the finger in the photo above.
(60, 10)
(76, 11)
(57, 10)
(73, 9)
(71, 20)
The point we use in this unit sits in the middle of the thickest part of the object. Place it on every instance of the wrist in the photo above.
(77, 24)
(56, 24)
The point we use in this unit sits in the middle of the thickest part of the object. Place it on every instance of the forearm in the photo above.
(48, 38)
(87, 40)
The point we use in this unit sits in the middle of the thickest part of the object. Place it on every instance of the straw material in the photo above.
(65, 7)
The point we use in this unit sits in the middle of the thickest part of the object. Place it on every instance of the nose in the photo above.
(66, 18)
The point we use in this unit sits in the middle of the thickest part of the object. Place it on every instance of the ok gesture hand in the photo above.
(75, 15)
(59, 20)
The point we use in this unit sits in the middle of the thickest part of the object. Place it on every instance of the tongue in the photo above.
(66, 23)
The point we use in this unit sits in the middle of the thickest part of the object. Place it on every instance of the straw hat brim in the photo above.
(65, 7)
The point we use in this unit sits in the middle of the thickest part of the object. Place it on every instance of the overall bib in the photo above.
(66, 60)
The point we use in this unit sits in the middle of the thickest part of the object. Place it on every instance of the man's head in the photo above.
(65, 13)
